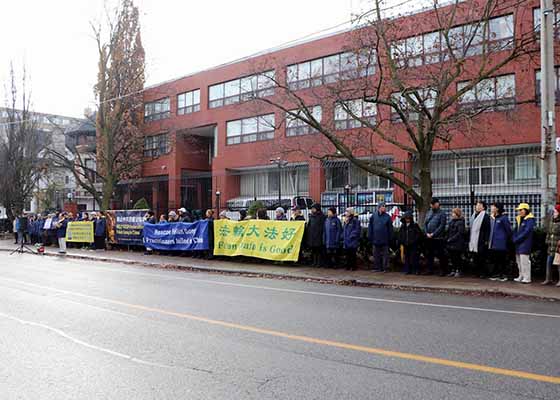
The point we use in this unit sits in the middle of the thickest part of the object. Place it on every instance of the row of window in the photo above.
(330, 69)
(243, 89)
(490, 170)
(464, 41)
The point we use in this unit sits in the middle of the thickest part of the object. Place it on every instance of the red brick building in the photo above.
(204, 134)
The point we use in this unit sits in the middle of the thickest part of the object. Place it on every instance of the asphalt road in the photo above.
(85, 330)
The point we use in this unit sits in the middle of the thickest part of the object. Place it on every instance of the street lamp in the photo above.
(218, 194)
(281, 164)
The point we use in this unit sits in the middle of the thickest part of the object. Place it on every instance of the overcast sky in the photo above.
(53, 39)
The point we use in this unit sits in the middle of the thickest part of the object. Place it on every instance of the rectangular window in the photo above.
(556, 85)
(297, 127)
(492, 94)
(188, 102)
(526, 167)
(156, 110)
(341, 66)
(250, 129)
(481, 171)
(351, 113)
(156, 145)
(537, 21)
(411, 110)
(464, 41)
(242, 89)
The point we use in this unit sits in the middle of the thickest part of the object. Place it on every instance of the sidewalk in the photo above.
(393, 280)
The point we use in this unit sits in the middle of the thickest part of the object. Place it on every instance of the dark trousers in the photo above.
(317, 254)
(499, 261)
(99, 242)
(480, 260)
(435, 248)
(332, 258)
(380, 257)
(351, 259)
(456, 258)
(411, 260)
(16, 237)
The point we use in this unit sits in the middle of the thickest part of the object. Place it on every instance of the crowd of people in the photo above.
(50, 229)
(334, 242)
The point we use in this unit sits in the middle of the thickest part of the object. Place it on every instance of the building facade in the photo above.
(207, 142)
(56, 184)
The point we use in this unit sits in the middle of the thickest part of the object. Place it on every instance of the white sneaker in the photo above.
(518, 279)
(525, 281)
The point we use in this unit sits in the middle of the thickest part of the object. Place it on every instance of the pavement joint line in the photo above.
(316, 341)
(334, 295)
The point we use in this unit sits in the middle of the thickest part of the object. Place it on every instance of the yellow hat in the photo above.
(523, 206)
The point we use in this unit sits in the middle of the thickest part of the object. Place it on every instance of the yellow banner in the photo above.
(80, 231)
(271, 240)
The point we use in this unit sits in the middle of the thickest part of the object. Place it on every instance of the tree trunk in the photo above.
(425, 188)
(107, 193)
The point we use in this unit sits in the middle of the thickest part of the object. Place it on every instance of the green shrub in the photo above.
(142, 204)
(252, 211)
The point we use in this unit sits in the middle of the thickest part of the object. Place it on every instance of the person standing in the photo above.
(150, 218)
(410, 236)
(314, 234)
(297, 215)
(351, 235)
(15, 229)
(172, 217)
(61, 226)
(99, 231)
(380, 232)
(332, 237)
(500, 234)
(280, 214)
(456, 242)
(552, 241)
(478, 239)
(209, 254)
(434, 227)
(262, 214)
(523, 240)
(184, 215)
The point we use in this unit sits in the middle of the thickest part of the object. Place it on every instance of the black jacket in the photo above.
(315, 229)
(410, 235)
(456, 234)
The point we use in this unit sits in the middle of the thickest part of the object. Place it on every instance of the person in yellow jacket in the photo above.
(523, 240)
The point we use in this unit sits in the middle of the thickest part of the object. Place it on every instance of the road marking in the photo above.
(84, 344)
(312, 340)
(334, 295)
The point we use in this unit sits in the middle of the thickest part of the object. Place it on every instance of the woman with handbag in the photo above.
(553, 241)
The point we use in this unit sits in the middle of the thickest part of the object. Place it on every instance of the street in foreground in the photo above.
(86, 330)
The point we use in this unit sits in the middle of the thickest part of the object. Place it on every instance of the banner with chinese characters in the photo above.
(180, 236)
(271, 240)
(80, 232)
(125, 226)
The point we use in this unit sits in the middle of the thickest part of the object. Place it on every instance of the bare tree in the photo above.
(22, 148)
(120, 82)
(399, 88)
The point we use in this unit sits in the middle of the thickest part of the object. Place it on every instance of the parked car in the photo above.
(271, 202)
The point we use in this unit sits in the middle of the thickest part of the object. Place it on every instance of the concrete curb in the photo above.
(315, 279)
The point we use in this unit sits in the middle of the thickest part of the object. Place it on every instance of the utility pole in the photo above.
(548, 129)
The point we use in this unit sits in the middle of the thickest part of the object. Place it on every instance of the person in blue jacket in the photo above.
(380, 232)
(99, 231)
(332, 237)
(500, 234)
(523, 240)
(352, 233)
(434, 227)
